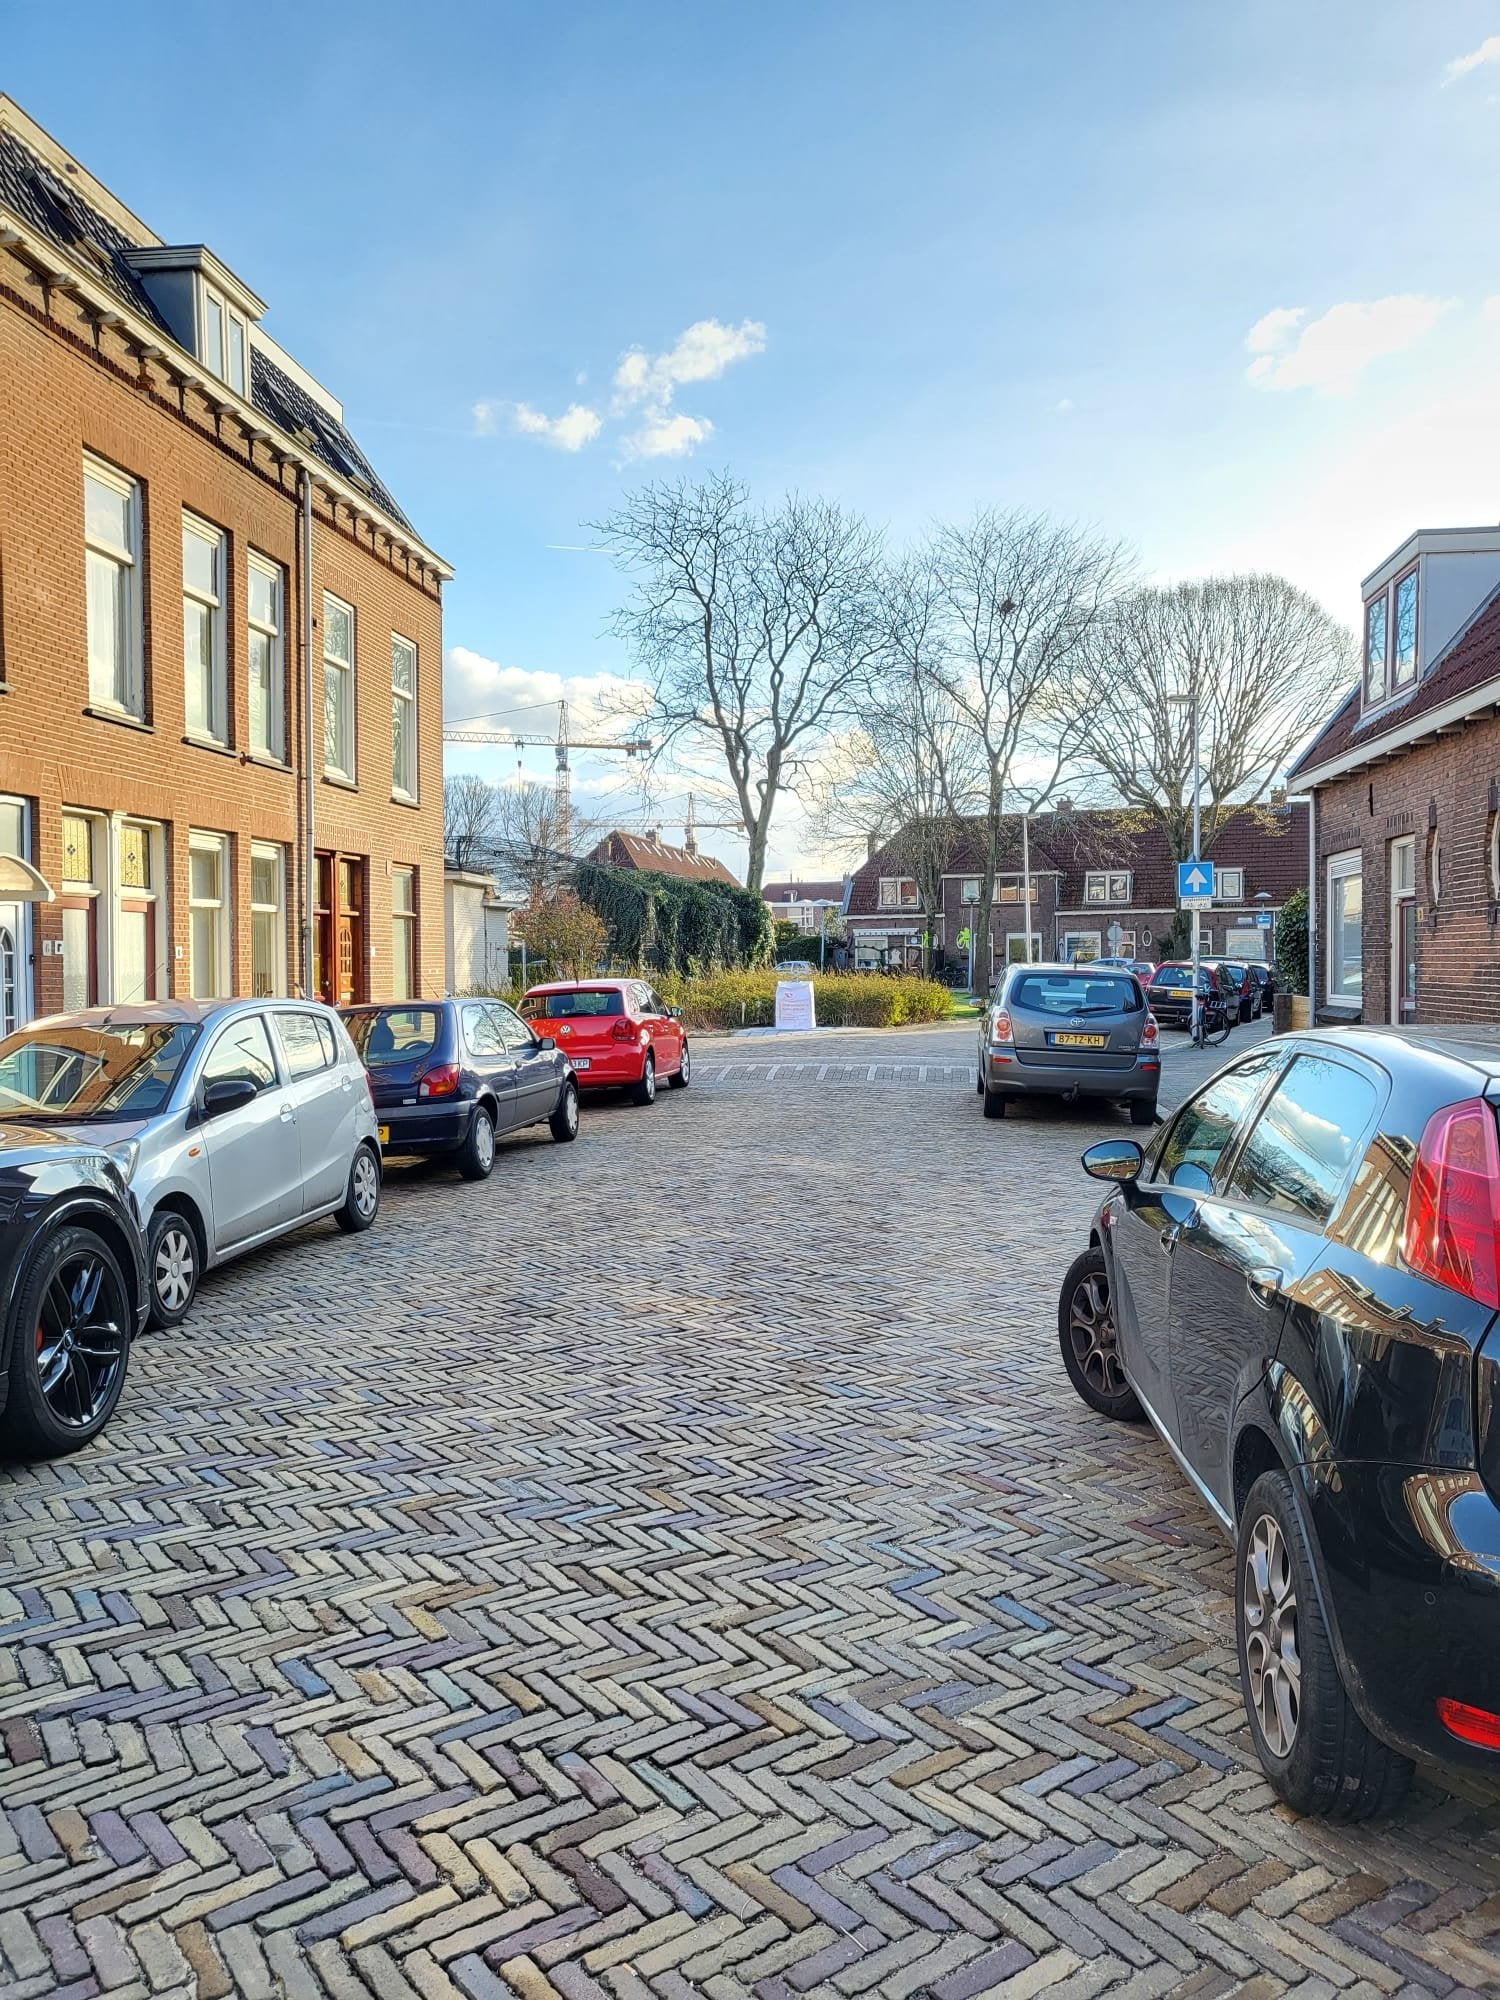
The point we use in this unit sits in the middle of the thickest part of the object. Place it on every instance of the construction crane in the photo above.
(560, 744)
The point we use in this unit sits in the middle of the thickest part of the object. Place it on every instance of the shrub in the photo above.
(841, 1000)
(1292, 943)
(561, 931)
(659, 924)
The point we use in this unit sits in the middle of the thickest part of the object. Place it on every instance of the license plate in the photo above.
(1079, 1041)
(1175, 995)
(385, 1135)
(582, 1062)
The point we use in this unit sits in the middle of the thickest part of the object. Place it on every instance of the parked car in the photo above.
(447, 1076)
(232, 1121)
(1069, 1031)
(1170, 991)
(617, 1032)
(1299, 1284)
(73, 1290)
(1241, 977)
(1141, 967)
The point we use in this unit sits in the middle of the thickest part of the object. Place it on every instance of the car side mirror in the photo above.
(227, 1093)
(674, 1013)
(1114, 1160)
(547, 1042)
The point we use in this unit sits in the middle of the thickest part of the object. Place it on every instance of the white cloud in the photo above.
(1491, 308)
(524, 698)
(666, 435)
(1062, 407)
(1331, 352)
(577, 426)
(484, 415)
(701, 354)
(1461, 66)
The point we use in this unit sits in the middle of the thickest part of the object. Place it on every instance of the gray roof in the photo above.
(31, 190)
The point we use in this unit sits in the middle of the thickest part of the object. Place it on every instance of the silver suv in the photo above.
(232, 1121)
(1070, 1031)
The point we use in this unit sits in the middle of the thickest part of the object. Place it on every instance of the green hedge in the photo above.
(1292, 943)
(660, 924)
(840, 1000)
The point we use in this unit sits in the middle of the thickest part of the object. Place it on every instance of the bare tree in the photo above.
(470, 816)
(1265, 659)
(532, 846)
(1023, 598)
(753, 629)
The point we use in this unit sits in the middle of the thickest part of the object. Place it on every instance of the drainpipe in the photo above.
(309, 855)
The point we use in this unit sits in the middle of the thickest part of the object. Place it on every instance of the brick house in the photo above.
(1101, 885)
(650, 853)
(811, 906)
(220, 637)
(1405, 782)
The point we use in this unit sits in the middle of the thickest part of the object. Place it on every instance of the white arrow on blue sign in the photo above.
(1195, 881)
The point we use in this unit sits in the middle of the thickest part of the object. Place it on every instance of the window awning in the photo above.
(20, 882)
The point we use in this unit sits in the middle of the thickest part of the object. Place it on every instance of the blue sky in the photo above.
(948, 254)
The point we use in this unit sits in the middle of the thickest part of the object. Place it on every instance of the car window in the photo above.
(1199, 1135)
(641, 997)
(328, 1038)
(305, 1050)
(1305, 1140)
(124, 1070)
(242, 1050)
(1076, 993)
(482, 1032)
(573, 1006)
(394, 1034)
(513, 1031)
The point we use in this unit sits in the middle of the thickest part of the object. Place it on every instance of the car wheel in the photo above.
(995, 1102)
(684, 1073)
(172, 1267)
(74, 1316)
(1312, 1745)
(362, 1196)
(645, 1091)
(476, 1156)
(979, 1081)
(1143, 1110)
(1086, 1334)
(563, 1124)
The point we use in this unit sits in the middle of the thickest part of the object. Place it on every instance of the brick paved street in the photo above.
(676, 1567)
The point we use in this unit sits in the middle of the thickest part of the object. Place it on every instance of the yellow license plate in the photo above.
(1176, 995)
(1080, 1041)
(385, 1135)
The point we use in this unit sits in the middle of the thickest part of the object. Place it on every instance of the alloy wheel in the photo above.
(82, 1336)
(367, 1182)
(687, 1064)
(484, 1142)
(1268, 1599)
(570, 1114)
(648, 1081)
(1091, 1330)
(175, 1268)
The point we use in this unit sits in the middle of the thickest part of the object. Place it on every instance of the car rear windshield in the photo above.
(61, 1074)
(1176, 975)
(394, 1034)
(1076, 993)
(582, 1001)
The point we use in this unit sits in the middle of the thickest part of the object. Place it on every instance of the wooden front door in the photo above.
(339, 970)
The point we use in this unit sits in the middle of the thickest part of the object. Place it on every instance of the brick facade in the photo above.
(72, 383)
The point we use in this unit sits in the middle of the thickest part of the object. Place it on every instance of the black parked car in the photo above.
(1171, 991)
(1240, 974)
(1299, 1284)
(447, 1075)
(73, 1291)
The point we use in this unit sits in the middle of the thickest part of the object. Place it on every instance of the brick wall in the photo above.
(66, 389)
(1447, 791)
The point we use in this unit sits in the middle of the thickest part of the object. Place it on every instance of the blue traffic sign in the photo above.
(1263, 919)
(1195, 881)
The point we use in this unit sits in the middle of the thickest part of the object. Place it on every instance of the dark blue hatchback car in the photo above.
(448, 1076)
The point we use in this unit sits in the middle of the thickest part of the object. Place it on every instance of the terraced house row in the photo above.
(220, 637)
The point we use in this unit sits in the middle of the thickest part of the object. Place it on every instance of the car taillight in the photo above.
(439, 1081)
(1453, 1203)
(1000, 1029)
(1470, 1725)
(1151, 1033)
(623, 1031)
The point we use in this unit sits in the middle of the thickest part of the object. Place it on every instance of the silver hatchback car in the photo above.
(1070, 1031)
(232, 1121)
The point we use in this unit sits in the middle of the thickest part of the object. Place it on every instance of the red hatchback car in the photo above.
(617, 1033)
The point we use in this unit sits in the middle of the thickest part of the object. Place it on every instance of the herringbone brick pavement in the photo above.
(677, 1567)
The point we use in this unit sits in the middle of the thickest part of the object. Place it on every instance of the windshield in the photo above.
(1076, 993)
(393, 1034)
(583, 1001)
(1180, 975)
(66, 1074)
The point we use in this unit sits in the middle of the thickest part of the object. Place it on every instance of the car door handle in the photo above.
(287, 1114)
(1170, 1235)
(1263, 1282)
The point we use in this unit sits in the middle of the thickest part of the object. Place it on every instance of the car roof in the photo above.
(583, 986)
(147, 1013)
(1459, 1041)
(1059, 965)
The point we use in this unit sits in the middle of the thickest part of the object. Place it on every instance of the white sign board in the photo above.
(1244, 941)
(794, 1005)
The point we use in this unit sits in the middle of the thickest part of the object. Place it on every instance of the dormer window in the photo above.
(225, 340)
(1391, 640)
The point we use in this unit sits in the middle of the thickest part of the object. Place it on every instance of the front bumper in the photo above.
(1411, 1569)
(424, 1128)
(1002, 1071)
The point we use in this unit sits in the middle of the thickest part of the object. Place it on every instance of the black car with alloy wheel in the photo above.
(1298, 1283)
(450, 1076)
(73, 1291)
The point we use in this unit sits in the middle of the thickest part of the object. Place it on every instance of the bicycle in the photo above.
(1212, 1026)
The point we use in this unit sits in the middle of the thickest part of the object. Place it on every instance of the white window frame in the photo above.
(1340, 868)
(1125, 948)
(230, 319)
(1414, 577)
(218, 844)
(896, 901)
(1108, 877)
(1435, 865)
(968, 891)
(1071, 940)
(1222, 891)
(216, 729)
(399, 788)
(1018, 938)
(274, 710)
(130, 671)
(1008, 888)
(332, 768)
(270, 850)
(406, 918)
